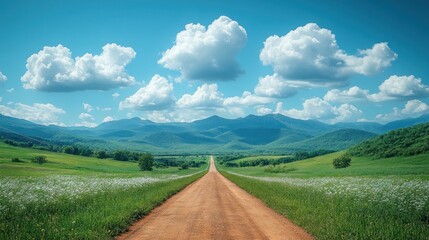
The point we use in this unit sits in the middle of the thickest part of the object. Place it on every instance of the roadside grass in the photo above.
(90, 216)
(74, 197)
(337, 216)
(371, 199)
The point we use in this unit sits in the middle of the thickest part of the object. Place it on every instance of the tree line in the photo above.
(301, 155)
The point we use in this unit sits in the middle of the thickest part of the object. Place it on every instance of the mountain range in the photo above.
(272, 133)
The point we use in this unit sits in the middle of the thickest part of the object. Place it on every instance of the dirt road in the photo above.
(214, 208)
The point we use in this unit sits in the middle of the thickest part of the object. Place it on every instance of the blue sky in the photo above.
(79, 63)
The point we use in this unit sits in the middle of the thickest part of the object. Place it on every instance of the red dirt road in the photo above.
(214, 208)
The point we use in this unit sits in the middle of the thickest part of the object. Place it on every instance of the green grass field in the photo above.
(74, 197)
(321, 166)
(372, 199)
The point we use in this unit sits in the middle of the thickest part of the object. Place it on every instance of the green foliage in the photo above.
(39, 159)
(231, 164)
(102, 154)
(146, 162)
(184, 166)
(403, 142)
(15, 159)
(177, 161)
(121, 155)
(341, 162)
(227, 158)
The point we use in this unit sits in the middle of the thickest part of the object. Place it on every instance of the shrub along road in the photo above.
(214, 208)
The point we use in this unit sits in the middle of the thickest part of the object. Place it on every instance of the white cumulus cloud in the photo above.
(412, 108)
(3, 77)
(274, 86)
(262, 110)
(316, 108)
(156, 95)
(394, 88)
(45, 114)
(87, 107)
(115, 95)
(54, 70)
(309, 56)
(206, 101)
(401, 87)
(349, 95)
(86, 117)
(201, 53)
(108, 119)
(206, 96)
(246, 99)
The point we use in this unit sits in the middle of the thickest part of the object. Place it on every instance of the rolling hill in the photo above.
(272, 133)
(402, 142)
(336, 140)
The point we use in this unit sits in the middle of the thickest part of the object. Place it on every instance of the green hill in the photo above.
(402, 142)
(336, 140)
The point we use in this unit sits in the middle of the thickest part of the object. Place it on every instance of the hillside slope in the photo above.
(402, 142)
(336, 140)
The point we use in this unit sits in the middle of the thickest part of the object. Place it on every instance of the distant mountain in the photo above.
(365, 126)
(25, 128)
(401, 142)
(268, 133)
(405, 123)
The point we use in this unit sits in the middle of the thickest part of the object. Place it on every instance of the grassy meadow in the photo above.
(74, 197)
(371, 199)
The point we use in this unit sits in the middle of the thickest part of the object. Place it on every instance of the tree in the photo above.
(102, 155)
(342, 161)
(146, 162)
(39, 159)
(184, 166)
(121, 155)
(68, 150)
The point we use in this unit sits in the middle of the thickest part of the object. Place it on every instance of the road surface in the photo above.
(214, 208)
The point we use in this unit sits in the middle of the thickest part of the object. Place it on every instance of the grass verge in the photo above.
(337, 216)
(100, 216)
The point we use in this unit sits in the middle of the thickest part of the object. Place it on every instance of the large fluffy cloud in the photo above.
(316, 108)
(156, 95)
(2, 77)
(206, 96)
(349, 95)
(412, 108)
(394, 88)
(54, 70)
(206, 101)
(40, 113)
(246, 99)
(274, 86)
(201, 53)
(310, 57)
(401, 87)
